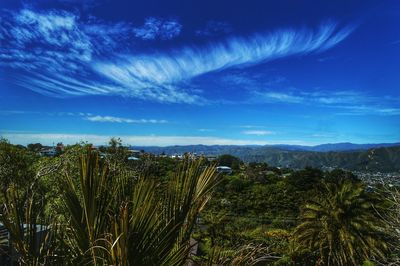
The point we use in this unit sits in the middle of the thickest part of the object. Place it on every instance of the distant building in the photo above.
(224, 170)
(133, 158)
(177, 156)
(60, 147)
(211, 157)
(135, 153)
(48, 151)
(192, 155)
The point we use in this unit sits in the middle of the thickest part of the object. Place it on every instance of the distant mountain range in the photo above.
(221, 149)
(382, 157)
(343, 146)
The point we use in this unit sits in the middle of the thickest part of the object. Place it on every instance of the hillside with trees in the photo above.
(384, 159)
(94, 206)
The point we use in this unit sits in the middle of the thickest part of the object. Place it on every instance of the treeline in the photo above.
(382, 159)
(95, 207)
(373, 160)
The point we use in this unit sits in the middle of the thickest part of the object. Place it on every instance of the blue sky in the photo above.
(200, 72)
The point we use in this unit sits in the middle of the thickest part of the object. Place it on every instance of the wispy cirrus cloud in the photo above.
(60, 54)
(258, 132)
(28, 112)
(55, 42)
(87, 116)
(156, 28)
(251, 126)
(206, 130)
(347, 101)
(113, 119)
(356, 110)
(169, 70)
(273, 96)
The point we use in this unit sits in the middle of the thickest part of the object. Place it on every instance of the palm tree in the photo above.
(341, 226)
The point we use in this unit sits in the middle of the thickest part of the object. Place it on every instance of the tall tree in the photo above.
(16, 165)
(341, 226)
(35, 147)
(229, 160)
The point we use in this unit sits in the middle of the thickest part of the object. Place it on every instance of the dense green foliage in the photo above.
(341, 223)
(107, 213)
(16, 164)
(98, 208)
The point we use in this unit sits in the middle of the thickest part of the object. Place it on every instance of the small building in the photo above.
(211, 158)
(135, 153)
(60, 147)
(177, 156)
(48, 151)
(224, 170)
(133, 158)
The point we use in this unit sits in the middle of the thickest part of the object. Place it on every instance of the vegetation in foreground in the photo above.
(82, 208)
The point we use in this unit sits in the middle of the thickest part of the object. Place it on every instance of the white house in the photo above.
(224, 170)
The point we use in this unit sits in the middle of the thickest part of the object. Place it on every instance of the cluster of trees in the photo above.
(106, 210)
(99, 211)
(304, 217)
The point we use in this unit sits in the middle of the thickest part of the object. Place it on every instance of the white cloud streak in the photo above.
(57, 53)
(272, 96)
(258, 132)
(169, 70)
(320, 97)
(87, 116)
(349, 102)
(113, 119)
(357, 110)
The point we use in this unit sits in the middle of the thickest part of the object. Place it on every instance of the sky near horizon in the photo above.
(200, 72)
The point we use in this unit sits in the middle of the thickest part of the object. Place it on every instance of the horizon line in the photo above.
(49, 139)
